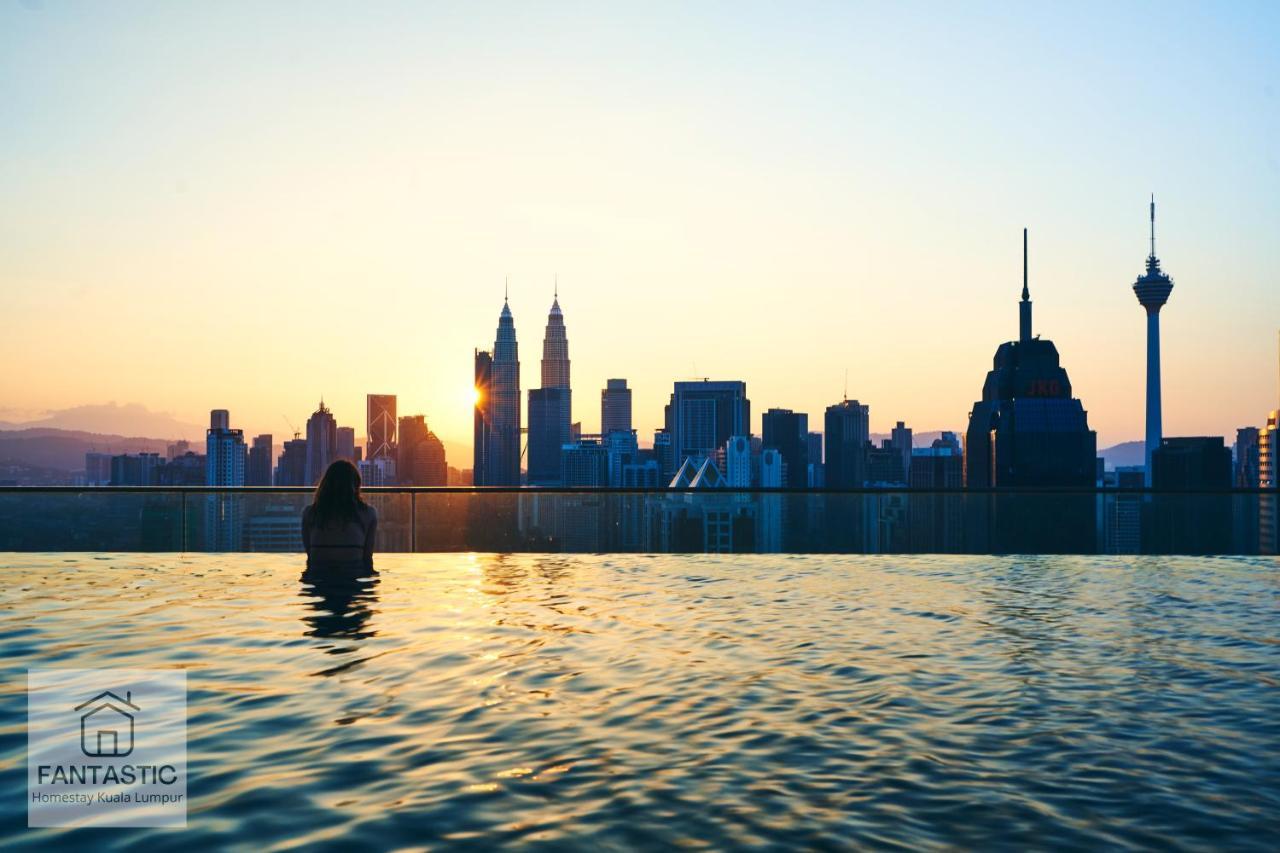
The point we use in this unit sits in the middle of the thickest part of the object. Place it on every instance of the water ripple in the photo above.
(619, 702)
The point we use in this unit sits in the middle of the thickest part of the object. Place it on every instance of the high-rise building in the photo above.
(258, 469)
(936, 519)
(615, 407)
(185, 470)
(1028, 430)
(1189, 524)
(551, 406)
(380, 425)
(135, 469)
(622, 449)
(846, 430)
(1152, 289)
(497, 447)
(322, 443)
(224, 466)
(1269, 479)
(1246, 473)
(482, 417)
(420, 454)
(702, 415)
(555, 349)
(224, 451)
(816, 475)
(291, 469)
(884, 465)
(901, 441)
(177, 448)
(97, 469)
(664, 454)
(549, 432)
(346, 444)
(738, 462)
(788, 433)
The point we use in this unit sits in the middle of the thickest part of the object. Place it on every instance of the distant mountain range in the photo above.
(113, 419)
(64, 450)
(1124, 454)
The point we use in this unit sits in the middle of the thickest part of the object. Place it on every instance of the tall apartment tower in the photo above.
(615, 407)
(224, 466)
(482, 417)
(1152, 289)
(550, 407)
(380, 426)
(261, 455)
(497, 424)
(322, 443)
(847, 431)
(703, 415)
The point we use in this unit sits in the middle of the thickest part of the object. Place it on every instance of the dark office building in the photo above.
(1189, 523)
(884, 465)
(291, 470)
(615, 407)
(257, 470)
(702, 415)
(136, 469)
(788, 433)
(420, 459)
(185, 470)
(548, 434)
(846, 432)
(483, 413)
(1029, 431)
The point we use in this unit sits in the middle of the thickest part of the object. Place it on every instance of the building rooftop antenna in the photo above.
(1153, 225)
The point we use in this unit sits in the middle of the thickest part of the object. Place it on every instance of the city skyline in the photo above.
(788, 202)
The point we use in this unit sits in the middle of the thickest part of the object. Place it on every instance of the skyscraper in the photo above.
(901, 441)
(1153, 289)
(615, 407)
(380, 425)
(555, 349)
(346, 446)
(788, 433)
(504, 442)
(482, 417)
(846, 432)
(322, 443)
(702, 415)
(550, 407)
(291, 469)
(224, 466)
(420, 454)
(1027, 430)
(261, 454)
(224, 451)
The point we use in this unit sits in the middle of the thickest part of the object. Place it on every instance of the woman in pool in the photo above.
(338, 528)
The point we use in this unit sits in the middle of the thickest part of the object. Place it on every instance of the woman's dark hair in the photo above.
(338, 495)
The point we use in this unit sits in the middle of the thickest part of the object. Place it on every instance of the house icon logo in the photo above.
(106, 725)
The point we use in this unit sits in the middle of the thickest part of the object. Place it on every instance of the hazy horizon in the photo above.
(249, 206)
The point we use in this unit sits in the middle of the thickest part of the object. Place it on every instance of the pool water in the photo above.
(620, 702)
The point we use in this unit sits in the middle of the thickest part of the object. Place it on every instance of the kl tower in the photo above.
(1153, 289)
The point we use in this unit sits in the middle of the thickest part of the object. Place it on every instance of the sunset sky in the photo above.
(250, 205)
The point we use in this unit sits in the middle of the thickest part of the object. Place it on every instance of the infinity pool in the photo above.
(709, 702)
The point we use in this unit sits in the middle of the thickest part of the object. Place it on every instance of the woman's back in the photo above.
(340, 541)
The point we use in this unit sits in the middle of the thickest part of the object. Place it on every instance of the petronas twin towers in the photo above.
(497, 414)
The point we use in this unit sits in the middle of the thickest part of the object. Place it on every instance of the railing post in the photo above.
(413, 522)
(184, 522)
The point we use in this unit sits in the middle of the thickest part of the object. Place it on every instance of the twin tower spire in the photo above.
(555, 342)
